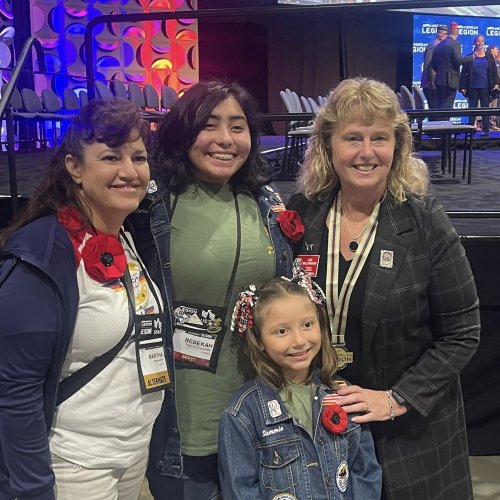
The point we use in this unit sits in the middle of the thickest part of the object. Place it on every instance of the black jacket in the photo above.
(446, 60)
(466, 74)
(420, 327)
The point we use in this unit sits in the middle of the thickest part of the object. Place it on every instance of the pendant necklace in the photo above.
(353, 244)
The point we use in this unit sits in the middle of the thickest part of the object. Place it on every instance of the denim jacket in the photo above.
(150, 227)
(265, 454)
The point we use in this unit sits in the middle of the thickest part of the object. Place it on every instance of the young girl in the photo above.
(282, 437)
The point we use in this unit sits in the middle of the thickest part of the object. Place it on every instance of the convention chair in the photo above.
(71, 103)
(314, 105)
(296, 135)
(103, 91)
(23, 122)
(136, 96)
(151, 98)
(118, 89)
(32, 103)
(419, 98)
(407, 99)
(83, 97)
(168, 97)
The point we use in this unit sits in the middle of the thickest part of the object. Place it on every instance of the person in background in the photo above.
(401, 298)
(74, 298)
(214, 222)
(428, 81)
(285, 419)
(446, 61)
(478, 79)
(494, 100)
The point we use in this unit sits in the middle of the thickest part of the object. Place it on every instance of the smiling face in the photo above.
(362, 156)
(223, 146)
(479, 43)
(290, 334)
(113, 181)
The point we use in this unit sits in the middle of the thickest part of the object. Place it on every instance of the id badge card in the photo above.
(198, 334)
(310, 264)
(150, 350)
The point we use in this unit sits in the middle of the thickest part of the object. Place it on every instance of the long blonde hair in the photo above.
(365, 100)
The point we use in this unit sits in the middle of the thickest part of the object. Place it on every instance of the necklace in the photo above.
(353, 244)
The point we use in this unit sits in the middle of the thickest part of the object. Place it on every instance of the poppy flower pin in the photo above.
(102, 254)
(334, 418)
(104, 258)
(291, 225)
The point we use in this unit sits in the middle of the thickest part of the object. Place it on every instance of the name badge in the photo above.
(310, 264)
(198, 334)
(151, 360)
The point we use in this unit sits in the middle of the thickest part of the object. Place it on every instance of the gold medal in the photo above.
(344, 357)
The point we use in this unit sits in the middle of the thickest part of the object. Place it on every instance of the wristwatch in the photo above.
(400, 400)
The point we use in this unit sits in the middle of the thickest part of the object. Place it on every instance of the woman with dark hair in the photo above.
(79, 391)
(214, 227)
(477, 80)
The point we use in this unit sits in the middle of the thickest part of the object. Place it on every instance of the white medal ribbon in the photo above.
(338, 303)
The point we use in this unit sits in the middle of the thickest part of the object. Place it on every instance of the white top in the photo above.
(108, 422)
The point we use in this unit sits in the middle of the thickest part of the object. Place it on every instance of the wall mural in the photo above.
(156, 52)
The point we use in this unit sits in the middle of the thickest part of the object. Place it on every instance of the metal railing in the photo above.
(6, 108)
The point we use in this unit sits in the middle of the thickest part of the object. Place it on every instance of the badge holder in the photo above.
(199, 332)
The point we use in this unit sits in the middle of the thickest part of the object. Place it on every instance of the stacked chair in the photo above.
(152, 107)
(136, 95)
(168, 97)
(296, 134)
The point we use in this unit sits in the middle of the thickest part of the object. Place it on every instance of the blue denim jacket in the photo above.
(264, 454)
(150, 227)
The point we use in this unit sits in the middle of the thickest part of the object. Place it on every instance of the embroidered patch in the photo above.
(284, 496)
(274, 408)
(386, 258)
(272, 431)
(342, 476)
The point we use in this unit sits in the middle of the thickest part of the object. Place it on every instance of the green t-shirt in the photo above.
(299, 404)
(203, 249)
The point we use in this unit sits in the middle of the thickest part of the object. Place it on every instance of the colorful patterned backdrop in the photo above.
(6, 35)
(157, 52)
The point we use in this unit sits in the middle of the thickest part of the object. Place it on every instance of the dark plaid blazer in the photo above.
(420, 326)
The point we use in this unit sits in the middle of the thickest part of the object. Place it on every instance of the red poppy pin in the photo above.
(291, 225)
(102, 254)
(334, 418)
(104, 258)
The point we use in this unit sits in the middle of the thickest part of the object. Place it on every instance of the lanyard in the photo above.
(338, 301)
(199, 328)
(126, 281)
(149, 336)
(238, 248)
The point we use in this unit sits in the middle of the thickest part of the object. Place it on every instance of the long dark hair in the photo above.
(111, 122)
(187, 118)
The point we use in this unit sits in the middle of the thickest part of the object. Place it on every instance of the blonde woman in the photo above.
(401, 298)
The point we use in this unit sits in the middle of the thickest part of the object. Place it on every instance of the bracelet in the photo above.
(389, 402)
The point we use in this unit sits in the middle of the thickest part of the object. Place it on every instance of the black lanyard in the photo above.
(238, 248)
